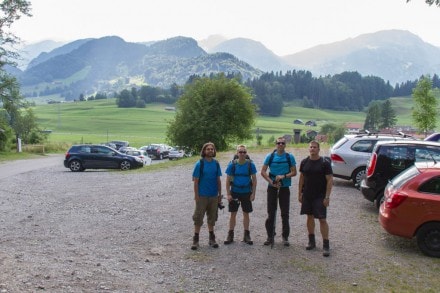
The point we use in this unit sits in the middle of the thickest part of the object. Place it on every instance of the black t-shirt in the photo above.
(314, 172)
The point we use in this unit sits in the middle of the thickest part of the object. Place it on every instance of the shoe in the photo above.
(326, 247)
(247, 237)
(212, 242)
(269, 241)
(195, 244)
(230, 237)
(312, 243)
(286, 241)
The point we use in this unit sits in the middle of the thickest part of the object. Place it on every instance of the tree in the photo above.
(372, 120)
(425, 105)
(214, 109)
(430, 2)
(387, 115)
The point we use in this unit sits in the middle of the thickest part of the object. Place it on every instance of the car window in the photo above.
(365, 146)
(427, 154)
(85, 149)
(340, 142)
(400, 156)
(431, 186)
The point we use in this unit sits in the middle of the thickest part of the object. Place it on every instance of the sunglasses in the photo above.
(281, 143)
(242, 152)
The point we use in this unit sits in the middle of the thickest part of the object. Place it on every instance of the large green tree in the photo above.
(217, 109)
(372, 120)
(425, 105)
(387, 115)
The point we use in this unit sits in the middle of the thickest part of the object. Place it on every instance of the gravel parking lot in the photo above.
(114, 231)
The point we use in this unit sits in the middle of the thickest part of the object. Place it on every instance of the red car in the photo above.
(412, 206)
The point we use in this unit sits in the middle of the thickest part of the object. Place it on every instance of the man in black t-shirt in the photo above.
(314, 188)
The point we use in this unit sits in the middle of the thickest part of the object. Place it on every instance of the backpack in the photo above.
(202, 164)
(234, 163)
(287, 158)
(323, 160)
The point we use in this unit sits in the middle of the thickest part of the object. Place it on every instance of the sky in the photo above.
(283, 26)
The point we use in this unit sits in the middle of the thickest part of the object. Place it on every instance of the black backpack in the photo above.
(202, 164)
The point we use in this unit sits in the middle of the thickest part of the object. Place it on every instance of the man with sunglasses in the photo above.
(241, 183)
(282, 167)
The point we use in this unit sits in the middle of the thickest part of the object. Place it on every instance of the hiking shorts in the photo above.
(240, 198)
(208, 205)
(314, 206)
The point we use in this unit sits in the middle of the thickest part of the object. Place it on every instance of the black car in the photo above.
(81, 157)
(158, 151)
(389, 159)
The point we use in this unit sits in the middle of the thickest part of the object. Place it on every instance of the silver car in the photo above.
(351, 153)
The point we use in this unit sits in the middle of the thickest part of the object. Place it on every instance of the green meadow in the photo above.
(102, 121)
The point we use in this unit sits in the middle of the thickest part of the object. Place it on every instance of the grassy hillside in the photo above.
(102, 121)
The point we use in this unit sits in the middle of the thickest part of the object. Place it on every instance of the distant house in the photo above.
(311, 134)
(353, 127)
(298, 121)
(311, 123)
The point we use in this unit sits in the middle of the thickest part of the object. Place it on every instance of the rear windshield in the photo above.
(405, 176)
(340, 142)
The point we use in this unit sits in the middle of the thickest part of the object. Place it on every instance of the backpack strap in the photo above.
(202, 164)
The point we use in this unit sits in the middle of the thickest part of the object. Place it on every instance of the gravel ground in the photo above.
(113, 231)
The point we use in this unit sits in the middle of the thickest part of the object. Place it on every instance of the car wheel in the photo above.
(379, 200)
(358, 175)
(125, 165)
(428, 239)
(75, 166)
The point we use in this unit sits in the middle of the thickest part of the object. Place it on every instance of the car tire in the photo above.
(75, 166)
(125, 165)
(428, 239)
(379, 199)
(358, 175)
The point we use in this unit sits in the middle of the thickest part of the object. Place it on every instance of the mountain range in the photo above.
(110, 63)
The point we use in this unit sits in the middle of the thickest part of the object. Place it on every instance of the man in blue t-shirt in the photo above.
(282, 167)
(207, 193)
(241, 185)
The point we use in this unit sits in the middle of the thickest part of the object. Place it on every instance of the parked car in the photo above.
(140, 154)
(125, 149)
(120, 143)
(433, 137)
(389, 159)
(81, 157)
(157, 151)
(412, 206)
(350, 154)
(109, 144)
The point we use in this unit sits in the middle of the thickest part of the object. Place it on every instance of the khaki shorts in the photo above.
(208, 205)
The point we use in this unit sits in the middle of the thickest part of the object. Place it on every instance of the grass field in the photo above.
(102, 121)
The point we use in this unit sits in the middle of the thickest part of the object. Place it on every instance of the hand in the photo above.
(300, 198)
(252, 198)
(229, 197)
(196, 197)
(326, 202)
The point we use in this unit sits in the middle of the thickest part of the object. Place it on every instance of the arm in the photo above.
(196, 188)
(254, 186)
(228, 188)
(265, 175)
(219, 189)
(300, 187)
(328, 189)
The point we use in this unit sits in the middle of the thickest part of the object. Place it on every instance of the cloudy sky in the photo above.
(283, 26)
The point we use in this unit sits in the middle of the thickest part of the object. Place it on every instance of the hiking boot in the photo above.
(195, 244)
(269, 241)
(230, 237)
(326, 247)
(247, 237)
(286, 241)
(312, 243)
(212, 242)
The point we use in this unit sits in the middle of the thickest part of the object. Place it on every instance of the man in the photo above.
(282, 167)
(241, 183)
(314, 188)
(207, 193)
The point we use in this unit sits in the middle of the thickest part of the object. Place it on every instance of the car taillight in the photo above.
(371, 165)
(336, 158)
(67, 155)
(394, 200)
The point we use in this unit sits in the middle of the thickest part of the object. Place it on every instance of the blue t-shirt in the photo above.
(242, 178)
(208, 181)
(280, 166)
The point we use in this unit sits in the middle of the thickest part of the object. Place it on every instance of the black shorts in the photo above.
(243, 199)
(314, 206)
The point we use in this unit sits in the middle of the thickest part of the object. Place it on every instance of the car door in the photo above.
(107, 158)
